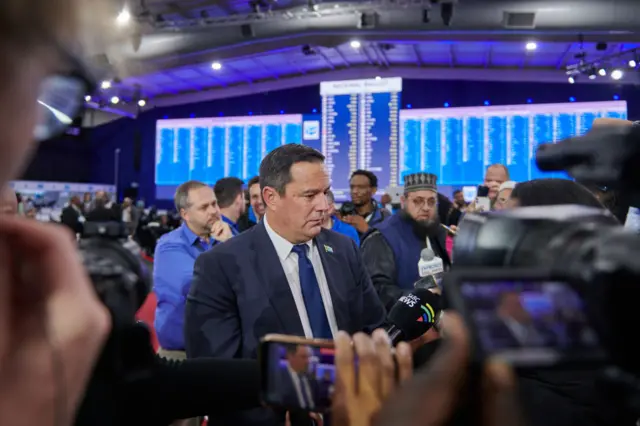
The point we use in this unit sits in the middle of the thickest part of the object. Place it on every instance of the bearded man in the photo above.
(391, 250)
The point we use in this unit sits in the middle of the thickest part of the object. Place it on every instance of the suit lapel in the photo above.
(333, 272)
(275, 281)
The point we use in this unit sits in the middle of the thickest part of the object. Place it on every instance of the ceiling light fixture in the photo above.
(142, 103)
(87, 98)
(378, 78)
(115, 100)
(531, 46)
(616, 74)
(632, 63)
(216, 66)
(572, 80)
(602, 72)
(124, 17)
(105, 84)
(356, 44)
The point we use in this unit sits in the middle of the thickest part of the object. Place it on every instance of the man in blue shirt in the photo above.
(230, 196)
(332, 222)
(175, 255)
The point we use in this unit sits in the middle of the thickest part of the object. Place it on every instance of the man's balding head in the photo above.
(8, 201)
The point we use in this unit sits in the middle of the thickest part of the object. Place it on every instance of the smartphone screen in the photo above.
(483, 191)
(299, 376)
(531, 323)
(482, 201)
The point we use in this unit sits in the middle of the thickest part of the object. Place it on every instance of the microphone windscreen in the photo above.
(427, 254)
(415, 313)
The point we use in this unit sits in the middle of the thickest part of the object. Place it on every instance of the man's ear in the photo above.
(269, 196)
(403, 200)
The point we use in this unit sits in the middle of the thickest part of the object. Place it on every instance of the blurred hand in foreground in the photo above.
(430, 398)
(361, 391)
(52, 325)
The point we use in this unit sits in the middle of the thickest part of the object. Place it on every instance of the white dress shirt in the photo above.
(289, 262)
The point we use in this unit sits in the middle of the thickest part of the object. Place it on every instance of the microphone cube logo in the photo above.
(410, 300)
(311, 130)
(428, 314)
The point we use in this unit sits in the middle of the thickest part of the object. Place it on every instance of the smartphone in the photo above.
(297, 373)
(482, 198)
(524, 317)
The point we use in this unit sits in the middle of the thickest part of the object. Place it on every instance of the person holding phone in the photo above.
(52, 323)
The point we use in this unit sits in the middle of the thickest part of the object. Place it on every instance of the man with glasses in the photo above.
(392, 250)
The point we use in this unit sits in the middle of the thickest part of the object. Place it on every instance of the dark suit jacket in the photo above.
(240, 293)
(103, 214)
(71, 218)
(288, 390)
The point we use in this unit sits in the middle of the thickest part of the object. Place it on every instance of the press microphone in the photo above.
(430, 265)
(413, 315)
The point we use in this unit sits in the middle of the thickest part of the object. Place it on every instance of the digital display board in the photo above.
(457, 144)
(360, 130)
(207, 149)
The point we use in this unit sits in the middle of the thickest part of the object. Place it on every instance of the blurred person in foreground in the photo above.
(574, 395)
(52, 325)
(8, 201)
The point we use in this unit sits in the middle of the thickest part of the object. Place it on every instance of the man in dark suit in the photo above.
(298, 388)
(285, 275)
(516, 328)
(72, 215)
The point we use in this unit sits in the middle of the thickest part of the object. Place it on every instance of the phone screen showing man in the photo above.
(300, 376)
(531, 323)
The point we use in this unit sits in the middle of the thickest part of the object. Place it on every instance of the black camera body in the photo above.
(348, 209)
(570, 249)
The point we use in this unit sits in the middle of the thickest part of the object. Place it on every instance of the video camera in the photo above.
(574, 270)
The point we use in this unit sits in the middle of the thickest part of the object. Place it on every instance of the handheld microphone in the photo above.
(413, 315)
(430, 265)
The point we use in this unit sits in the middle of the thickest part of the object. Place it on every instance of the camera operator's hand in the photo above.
(52, 325)
(361, 391)
(221, 231)
(357, 222)
(430, 398)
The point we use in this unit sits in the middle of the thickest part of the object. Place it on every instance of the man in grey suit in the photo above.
(285, 275)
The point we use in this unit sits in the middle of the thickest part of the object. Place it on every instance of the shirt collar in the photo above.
(191, 236)
(282, 246)
(230, 222)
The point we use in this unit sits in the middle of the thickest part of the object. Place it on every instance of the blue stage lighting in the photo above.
(281, 111)
(446, 104)
(409, 106)
(487, 103)
(572, 99)
(314, 110)
(529, 101)
(192, 115)
(616, 97)
(250, 113)
(221, 114)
